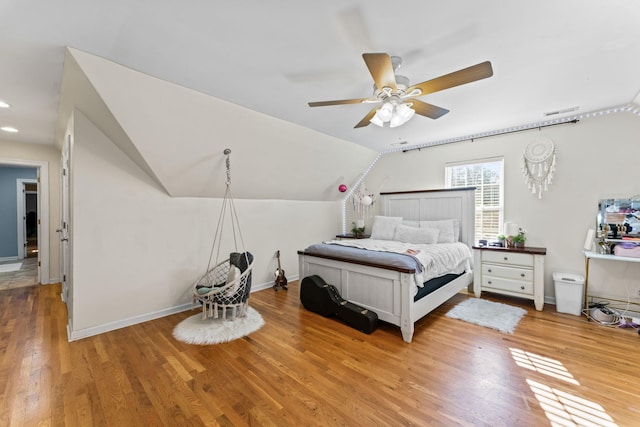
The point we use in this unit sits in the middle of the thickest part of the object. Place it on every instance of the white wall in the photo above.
(22, 152)
(178, 136)
(138, 251)
(597, 158)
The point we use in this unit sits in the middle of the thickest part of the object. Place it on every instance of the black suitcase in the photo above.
(318, 296)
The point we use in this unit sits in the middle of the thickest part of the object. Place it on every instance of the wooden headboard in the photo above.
(428, 205)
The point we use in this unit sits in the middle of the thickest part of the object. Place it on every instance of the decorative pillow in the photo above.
(447, 234)
(407, 234)
(234, 275)
(242, 261)
(411, 223)
(456, 229)
(384, 227)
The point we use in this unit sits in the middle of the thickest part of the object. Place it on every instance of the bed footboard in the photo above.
(387, 292)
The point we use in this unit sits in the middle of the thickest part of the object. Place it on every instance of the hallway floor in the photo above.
(27, 275)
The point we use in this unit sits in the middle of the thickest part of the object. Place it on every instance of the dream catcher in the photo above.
(363, 202)
(538, 164)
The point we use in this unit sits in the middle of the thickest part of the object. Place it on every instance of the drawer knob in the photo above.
(489, 270)
(522, 274)
(522, 287)
(505, 258)
(489, 282)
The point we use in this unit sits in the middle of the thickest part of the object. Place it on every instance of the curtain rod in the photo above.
(496, 134)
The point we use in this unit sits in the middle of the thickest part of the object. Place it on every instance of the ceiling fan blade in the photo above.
(381, 69)
(353, 25)
(341, 102)
(428, 110)
(457, 78)
(366, 120)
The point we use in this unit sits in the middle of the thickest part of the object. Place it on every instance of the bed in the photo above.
(388, 287)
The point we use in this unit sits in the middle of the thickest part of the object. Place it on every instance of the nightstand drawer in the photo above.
(519, 286)
(496, 270)
(508, 258)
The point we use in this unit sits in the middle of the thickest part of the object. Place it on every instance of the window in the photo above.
(487, 177)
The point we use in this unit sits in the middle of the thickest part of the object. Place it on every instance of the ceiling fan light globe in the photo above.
(376, 120)
(405, 112)
(402, 115)
(385, 112)
(396, 121)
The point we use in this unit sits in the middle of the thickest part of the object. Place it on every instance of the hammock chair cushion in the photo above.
(240, 260)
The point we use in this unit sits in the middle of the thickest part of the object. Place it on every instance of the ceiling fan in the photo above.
(398, 98)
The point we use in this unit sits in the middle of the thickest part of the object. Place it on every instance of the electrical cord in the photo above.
(603, 315)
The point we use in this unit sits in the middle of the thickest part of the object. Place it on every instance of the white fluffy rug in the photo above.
(494, 315)
(196, 330)
(5, 268)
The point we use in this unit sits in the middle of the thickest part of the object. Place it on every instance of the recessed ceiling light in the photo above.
(4, 104)
(9, 129)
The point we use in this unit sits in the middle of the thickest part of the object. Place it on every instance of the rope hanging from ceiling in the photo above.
(224, 289)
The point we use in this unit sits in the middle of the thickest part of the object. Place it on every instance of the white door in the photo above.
(63, 231)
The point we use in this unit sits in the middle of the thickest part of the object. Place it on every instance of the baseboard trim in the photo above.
(9, 258)
(267, 285)
(112, 326)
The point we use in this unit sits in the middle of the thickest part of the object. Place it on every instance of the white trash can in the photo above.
(569, 293)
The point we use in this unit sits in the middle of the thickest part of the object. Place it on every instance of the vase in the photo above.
(519, 245)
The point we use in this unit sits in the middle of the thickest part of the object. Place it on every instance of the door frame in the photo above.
(21, 195)
(65, 228)
(43, 207)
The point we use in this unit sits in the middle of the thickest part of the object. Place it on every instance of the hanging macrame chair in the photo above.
(224, 289)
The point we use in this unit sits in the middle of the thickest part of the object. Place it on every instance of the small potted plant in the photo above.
(519, 239)
(357, 231)
(501, 239)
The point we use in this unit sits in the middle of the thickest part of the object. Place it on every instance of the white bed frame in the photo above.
(387, 291)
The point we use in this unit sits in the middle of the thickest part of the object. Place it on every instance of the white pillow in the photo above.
(411, 223)
(408, 234)
(234, 275)
(384, 227)
(447, 234)
(456, 229)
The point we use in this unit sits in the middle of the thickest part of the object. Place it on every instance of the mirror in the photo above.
(618, 218)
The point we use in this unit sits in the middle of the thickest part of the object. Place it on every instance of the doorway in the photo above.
(31, 220)
(27, 203)
(42, 197)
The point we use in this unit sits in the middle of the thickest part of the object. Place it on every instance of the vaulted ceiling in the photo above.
(273, 57)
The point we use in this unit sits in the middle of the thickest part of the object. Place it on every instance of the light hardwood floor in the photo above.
(302, 369)
(26, 275)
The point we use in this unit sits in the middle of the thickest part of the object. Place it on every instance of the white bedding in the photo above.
(436, 260)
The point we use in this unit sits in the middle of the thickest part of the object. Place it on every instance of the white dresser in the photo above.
(515, 272)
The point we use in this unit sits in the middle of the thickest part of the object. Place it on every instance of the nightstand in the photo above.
(351, 236)
(510, 271)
